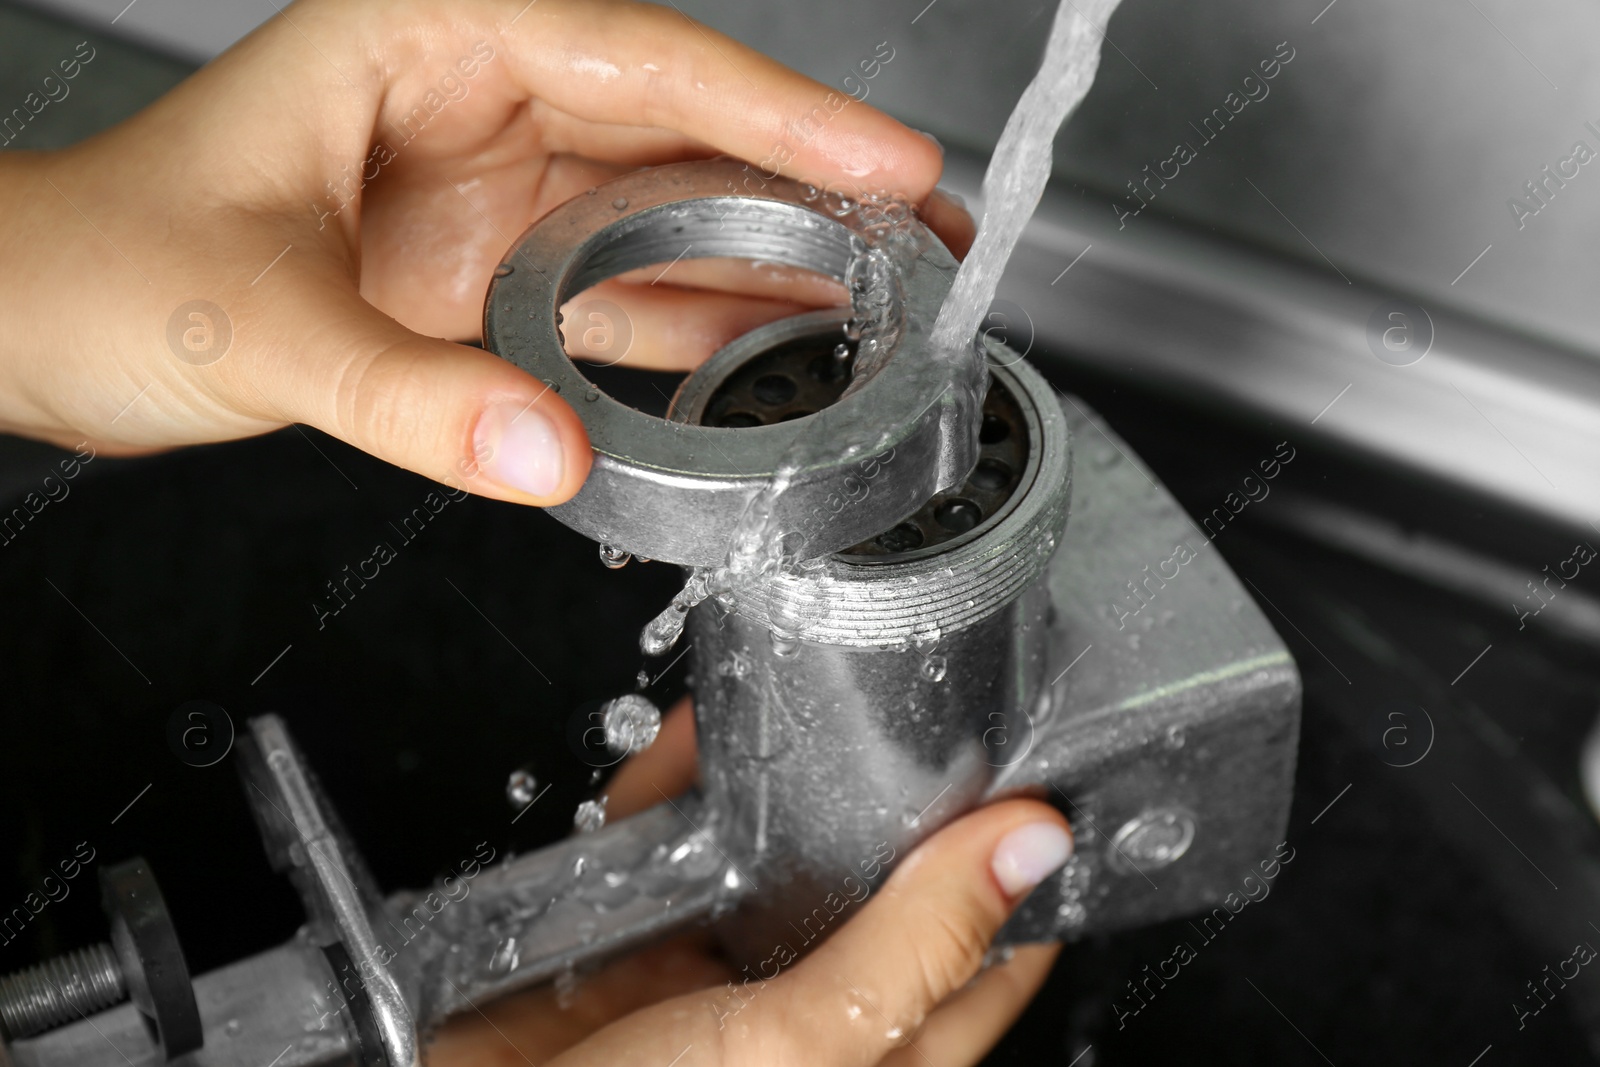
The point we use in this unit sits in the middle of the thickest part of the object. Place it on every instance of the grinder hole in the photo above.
(774, 389)
(958, 516)
(990, 474)
(902, 538)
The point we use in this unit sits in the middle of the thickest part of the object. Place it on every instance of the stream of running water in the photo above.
(1012, 187)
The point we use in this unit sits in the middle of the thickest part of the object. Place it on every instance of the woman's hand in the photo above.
(898, 984)
(285, 236)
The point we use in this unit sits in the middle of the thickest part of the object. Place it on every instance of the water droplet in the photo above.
(1175, 736)
(590, 816)
(580, 865)
(933, 668)
(613, 557)
(841, 353)
(631, 724)
(731, 879)
(663, 631)
(504, 270)
(809, 192)
(641, 679)
(506, 957)
(521, 788)
(566, 982)
(783, 644)
(852, 330)
(999, 954)
(1073, 880)
(620, 202)
(232, 1027)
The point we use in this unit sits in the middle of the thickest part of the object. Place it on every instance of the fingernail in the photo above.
(955, 198)
(522, 447)
(1028, 855)
(934, 139)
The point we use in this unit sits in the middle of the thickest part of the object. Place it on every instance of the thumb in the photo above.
(922, 937)
(454, 413)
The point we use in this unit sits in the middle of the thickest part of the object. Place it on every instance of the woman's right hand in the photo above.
(900, 983)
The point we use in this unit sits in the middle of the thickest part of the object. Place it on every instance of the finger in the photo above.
(922, 937)
(610, 142)
(661, 327)
(664, 770)
(965, 1027)
(615, 64)
(746, 277)
(459, 415)
(946, 215)
(423, 212)
(664, 70)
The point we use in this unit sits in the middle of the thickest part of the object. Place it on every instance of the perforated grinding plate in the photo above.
(801, 377)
